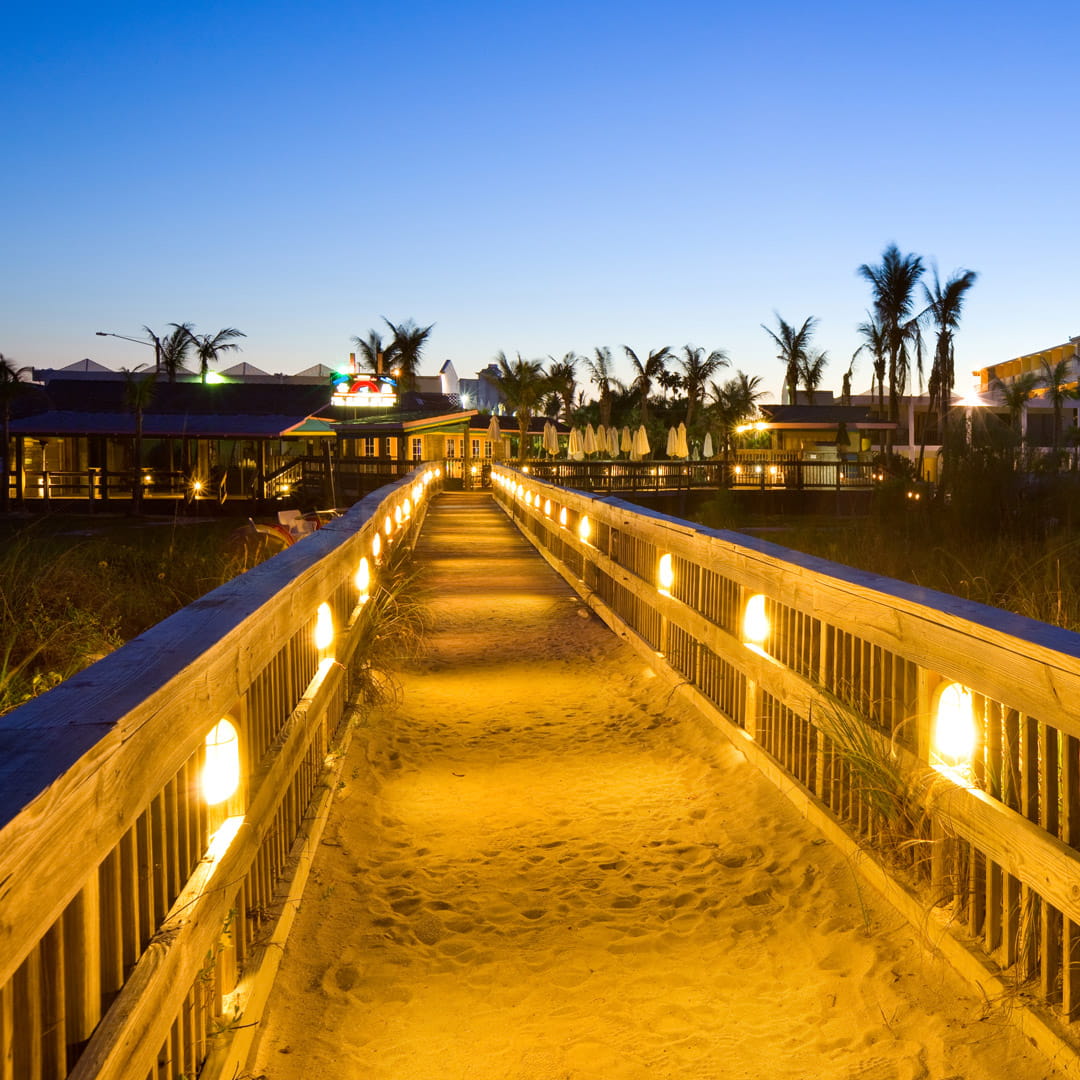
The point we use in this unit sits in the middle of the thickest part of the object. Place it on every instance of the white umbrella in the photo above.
(672, 442)
(641, 442)
(551, 439)
(494, 434)
(612, 442)
(574, 449)
(590, 440)
(707, 449)
(626, 443)
(681, 448)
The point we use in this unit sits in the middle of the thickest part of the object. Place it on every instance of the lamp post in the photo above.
(155, 345)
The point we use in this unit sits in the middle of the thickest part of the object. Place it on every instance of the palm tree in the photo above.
(670, 381)
(171, 350)
(138, 391)
(893, 283)
(208, 346)
(601, 377)
(1015, 395)
(794, 348)
(943, 306)
(698, 369)
(875, 343)
(645, 373)
(1055, 377)
(812, 372)
(845, 382)
(523, 386)
(562, 375)
(405, 349)
(733, 404)
(11, 386)
(372, 351)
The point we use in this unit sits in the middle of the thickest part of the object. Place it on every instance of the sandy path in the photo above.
(540, 870)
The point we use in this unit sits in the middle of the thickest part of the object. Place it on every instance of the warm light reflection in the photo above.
(665, 573)
(755, 621)
(547, 508)
(563, 517)
(397, 516)
(388, 525)
(954, 726)
(406, 509)
(324, 628)
(376, 545)
(221, 769)
(584, 529)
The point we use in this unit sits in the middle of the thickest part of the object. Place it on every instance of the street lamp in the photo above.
(155, 345)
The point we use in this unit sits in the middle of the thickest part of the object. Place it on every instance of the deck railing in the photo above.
(857, 694)
(137, 894)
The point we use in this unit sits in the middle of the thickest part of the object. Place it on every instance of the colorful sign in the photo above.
(364, 391)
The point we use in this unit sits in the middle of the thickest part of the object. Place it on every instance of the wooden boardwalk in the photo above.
(539, 868)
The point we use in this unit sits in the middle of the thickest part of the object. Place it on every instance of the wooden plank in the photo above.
(1070, 834)
(82, 928)
(54, 1064)
(27, 1055)
(7, 1032)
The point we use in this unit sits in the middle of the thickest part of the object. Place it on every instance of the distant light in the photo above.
(213, 378)
(221, 769)
(755, 621)
(196, 486)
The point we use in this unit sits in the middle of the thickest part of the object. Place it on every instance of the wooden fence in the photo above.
(136, 906)
(855, 693)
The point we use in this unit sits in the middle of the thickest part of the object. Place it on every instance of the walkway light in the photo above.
(406, 509)
(324, 628)
(417, 492)
(584, 529)
(362, 580)
(563, 517)
(755, 621)
(665, 573)
(954, 726)
(388, 525)
(376, 546)
(547, 508)
(397, 516)
(221, 769)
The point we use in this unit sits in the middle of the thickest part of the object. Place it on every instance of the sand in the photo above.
(542, 868)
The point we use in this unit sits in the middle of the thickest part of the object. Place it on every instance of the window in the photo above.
(449, 448)
(369, 446)
(476, 448)
(417, 449)
(487, 448)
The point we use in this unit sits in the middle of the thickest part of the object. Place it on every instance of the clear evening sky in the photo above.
(536, 178)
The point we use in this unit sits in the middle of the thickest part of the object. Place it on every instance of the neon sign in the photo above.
(365, 391)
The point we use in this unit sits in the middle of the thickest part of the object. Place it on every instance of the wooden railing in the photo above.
(135, 918)
(775, 472)
(838, 682)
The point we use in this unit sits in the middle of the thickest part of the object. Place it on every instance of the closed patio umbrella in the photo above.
(575, 449)
(682, 450)
(494, 434)
(641, 443)
(672, 442)
(589, 445)
(612, 442)
(707, 449)
(626, 442)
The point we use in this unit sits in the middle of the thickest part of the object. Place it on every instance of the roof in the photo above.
(85, 365)
(809, 417)
(57, 422)
(243, 368)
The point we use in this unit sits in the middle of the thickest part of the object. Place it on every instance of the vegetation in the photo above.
(794, 354)
(68, 598)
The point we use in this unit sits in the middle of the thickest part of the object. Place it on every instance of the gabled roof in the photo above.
(242, 369)
(86, 365)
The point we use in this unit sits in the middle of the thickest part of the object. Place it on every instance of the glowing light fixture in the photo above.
(397, 516)
(363, 580)
(954, 726)
(474, 471)
(406, 509)
(665, 573)
(547, 508)
(417, 492)
(221, 770)
(584, 529)
(755, 621)
(196, 486)
(376, 545)
(563, 517)
(388, 525)
(324, 628)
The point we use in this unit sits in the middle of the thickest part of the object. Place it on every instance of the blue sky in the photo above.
(530, 177)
